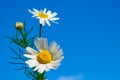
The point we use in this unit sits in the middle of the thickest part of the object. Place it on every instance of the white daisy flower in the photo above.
(44, 16)
(46, 58)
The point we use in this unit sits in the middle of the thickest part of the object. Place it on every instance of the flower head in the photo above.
(19, 25)
(44, 17)
(46, 58)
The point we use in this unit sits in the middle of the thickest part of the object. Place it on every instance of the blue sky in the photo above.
(88, 32)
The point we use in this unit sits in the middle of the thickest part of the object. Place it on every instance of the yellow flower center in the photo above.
(42, 15)
(44, 57)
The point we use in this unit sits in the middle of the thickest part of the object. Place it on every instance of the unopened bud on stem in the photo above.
(19, 25)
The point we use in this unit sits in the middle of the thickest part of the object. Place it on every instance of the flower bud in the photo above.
(19, 25)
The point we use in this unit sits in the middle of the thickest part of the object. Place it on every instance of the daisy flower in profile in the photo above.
(44, 16)
(46, 58)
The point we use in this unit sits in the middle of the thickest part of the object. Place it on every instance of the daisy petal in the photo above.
(33, 16)
(56, 61)
(35, 10)
(58, 54)
(30, 56)
(41, 68)
(53, 14)
(32, 63)
(55, 65)
(50, 66)
(54, 19)
(54, 22)
(48, 12)
(45, 42)
(37, 67)
(38, 44)
(44, 11)
(41, 44)
(30, 11)
(31, 51)
(52, 46)
(42, 21)
(48, 23)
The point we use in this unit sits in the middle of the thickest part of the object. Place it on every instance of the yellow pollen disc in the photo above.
(42, 15)
(44, 57)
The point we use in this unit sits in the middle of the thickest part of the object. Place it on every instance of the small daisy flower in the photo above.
(44, 16)
(46, 58)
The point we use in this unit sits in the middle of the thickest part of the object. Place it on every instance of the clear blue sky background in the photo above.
(88, 32)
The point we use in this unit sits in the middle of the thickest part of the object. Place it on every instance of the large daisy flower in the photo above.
(43, 16)
(46, 58)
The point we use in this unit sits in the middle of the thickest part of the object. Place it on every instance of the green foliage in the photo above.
(21, 40)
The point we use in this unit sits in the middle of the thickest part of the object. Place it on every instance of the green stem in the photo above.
(41, 76)
(24, 38)
(40, 32)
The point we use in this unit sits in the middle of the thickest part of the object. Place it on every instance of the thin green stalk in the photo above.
(41, 76)
(24, 38)
(40, 32)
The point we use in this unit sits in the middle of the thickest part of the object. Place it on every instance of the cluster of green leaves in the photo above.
(21, 37)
